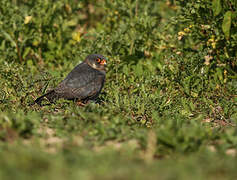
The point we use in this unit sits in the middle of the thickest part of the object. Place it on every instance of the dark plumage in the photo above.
(83, 83)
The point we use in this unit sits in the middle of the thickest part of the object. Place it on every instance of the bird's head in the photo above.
(96, 61)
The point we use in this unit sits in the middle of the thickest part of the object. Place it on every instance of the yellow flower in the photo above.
(181, 33)
(187, 30)
(211, 40)
(76, 36)
(225, 75)
(225, 72)
(27, 19)
(213, 45)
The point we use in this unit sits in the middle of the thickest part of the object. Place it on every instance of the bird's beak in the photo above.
(103, 62)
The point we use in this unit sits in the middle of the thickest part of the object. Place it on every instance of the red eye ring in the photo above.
(98, 60)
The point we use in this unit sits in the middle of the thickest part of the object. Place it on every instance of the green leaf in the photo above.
(8, 37)
(138, 70)
(219, 74)
(216, 7)
(26, 52)
(125, 69)
(227, 24)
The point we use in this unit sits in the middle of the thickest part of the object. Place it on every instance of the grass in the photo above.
(163, 113)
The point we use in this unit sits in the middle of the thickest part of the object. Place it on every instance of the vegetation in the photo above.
(169, 106)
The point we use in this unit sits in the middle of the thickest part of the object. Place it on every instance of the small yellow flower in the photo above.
(211, 40)
(225, 75)
(76, 36)
(35, 43)
(27, 19)
(213, 45)
(190, 26)
(225, 72)
(181, 33)
(187, 30)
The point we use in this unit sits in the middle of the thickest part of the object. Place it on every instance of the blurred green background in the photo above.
(169, 106)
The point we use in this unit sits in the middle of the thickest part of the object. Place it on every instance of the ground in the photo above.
(168, 107)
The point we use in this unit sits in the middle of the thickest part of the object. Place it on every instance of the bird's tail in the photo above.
(51, 96)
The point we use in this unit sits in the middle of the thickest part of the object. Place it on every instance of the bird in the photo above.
(83, 84)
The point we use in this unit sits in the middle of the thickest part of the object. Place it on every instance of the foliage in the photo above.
(212, 29)
(168, 108)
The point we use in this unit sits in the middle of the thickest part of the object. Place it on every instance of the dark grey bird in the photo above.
(83, 83)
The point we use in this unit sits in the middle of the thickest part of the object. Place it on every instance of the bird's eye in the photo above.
(98, 60)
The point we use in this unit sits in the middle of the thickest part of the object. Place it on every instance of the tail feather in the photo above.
(51, 96)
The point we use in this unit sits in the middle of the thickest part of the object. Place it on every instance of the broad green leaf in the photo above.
(8, 37)
(227, 24)
(216, 7)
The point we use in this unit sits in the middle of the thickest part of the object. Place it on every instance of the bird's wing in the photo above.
(92, 89)
(82, 82)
